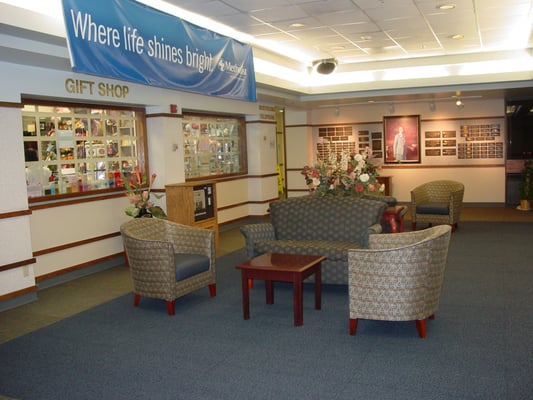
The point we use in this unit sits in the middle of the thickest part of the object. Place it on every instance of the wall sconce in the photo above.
(337, 111)
(459, 103)
(391, 108)
(432, 106)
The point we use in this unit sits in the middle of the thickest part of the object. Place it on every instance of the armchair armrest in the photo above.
(402, 239)
(256, 232)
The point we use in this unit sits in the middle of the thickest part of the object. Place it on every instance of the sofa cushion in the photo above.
(325, 218)
(433, 208)
(334, 251)
(187, 265)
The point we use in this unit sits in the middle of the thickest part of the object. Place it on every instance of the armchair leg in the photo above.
(136, 299)
(413, 226)
(421, 328)
(213, 290)
(454, 227)
(353, 326)
(171, 307)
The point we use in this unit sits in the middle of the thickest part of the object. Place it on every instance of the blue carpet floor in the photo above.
(480, 346)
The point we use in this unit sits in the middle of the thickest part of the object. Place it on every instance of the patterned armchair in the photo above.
(168, 260)
(399, 277)
(437, 202)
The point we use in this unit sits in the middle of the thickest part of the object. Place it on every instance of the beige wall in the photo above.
(484, 179)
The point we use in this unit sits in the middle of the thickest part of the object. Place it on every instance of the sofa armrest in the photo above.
(256, 232)
(376, 228)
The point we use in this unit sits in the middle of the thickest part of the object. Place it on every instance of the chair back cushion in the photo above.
(330, 218)
(145, 229)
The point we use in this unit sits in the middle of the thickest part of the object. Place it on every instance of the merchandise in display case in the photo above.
(77, 148)
(213, 145)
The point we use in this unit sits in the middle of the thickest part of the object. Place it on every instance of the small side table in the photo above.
(394, 216)
(286, 268)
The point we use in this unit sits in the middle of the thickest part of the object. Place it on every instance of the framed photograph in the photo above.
(401, 139)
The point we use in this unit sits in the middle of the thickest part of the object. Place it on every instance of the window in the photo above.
(215, 145)
(76, 148)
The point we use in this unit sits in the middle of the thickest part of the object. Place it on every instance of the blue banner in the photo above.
(127, 40)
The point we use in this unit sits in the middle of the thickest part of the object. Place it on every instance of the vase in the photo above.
(144, 213)
(525, 205)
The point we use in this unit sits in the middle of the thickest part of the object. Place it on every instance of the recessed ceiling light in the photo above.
(297, 25)
(366, 37)
(457, 37)
(446, 7)
(338, 48)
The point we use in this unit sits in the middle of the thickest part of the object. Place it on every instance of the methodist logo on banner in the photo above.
(127, 40)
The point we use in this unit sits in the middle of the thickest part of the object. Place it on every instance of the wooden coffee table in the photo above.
(285, 268)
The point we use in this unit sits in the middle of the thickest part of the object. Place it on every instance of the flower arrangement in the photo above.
(344, 175)
(138, 191)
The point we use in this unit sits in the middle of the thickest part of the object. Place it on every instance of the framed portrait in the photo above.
(401, 139)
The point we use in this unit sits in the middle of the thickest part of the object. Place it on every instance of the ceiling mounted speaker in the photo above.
(325, 67)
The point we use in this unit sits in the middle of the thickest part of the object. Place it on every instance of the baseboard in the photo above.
(18, 301)
(79, 273)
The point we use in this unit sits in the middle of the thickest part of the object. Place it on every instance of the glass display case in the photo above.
(77, 148)
(213, 145)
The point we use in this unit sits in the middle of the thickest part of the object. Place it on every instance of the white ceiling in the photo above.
(355, 31)
(371, 39)
(376, 35)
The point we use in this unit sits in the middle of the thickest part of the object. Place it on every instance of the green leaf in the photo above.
(158, 212)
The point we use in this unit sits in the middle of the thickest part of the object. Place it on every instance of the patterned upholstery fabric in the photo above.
(437, 202)
(400, 276)
(151, 245)
(321, 225)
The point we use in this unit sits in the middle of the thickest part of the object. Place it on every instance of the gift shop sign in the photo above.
(92, 88)
(130, 41)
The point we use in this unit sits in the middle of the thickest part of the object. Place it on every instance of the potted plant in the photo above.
(526, 186)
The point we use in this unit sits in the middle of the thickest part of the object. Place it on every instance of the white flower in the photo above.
(316, 182)
(358, 157)
(364, 177)
(382, 187)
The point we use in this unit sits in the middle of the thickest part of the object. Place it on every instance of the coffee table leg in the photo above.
(298, 301)
(245, 296)
(269, 292)
(318, 287)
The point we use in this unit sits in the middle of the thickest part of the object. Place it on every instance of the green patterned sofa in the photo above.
(321, 225)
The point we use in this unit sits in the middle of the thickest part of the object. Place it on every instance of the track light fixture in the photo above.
(325, 67)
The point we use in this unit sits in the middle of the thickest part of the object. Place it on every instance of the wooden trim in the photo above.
(262, 176)
(53, 204)
(264, 201)
(260, 121)
(17, 264)
(419, 166)
(15, 214)
(20, 292)
(8, 104)
(422, 166)
(164, 115)
(77, 267)
(246, 203)
(232, 178)
(75, 244)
